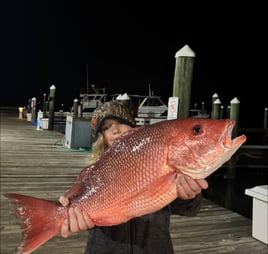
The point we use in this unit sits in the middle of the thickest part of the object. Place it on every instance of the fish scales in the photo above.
(135, 176)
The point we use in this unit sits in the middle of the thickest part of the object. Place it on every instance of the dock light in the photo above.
(20, 112)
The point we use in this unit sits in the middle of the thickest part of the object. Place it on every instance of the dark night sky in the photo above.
(129, 45)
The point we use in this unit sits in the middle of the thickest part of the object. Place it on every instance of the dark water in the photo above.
(249, 169)
(230, 193)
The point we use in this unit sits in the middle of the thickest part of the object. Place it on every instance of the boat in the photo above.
(153, 107)
(91, 99)
(151, 110)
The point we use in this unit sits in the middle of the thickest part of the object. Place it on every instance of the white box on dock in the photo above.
(29, 117)
(77, 132)
(44, 123)
(259, 212)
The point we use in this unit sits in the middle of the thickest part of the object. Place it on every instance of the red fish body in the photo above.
(136, 176)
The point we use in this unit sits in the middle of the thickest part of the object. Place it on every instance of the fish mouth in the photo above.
(228, 147)
(229, 143)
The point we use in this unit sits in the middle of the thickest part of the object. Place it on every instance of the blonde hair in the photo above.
(98, 148)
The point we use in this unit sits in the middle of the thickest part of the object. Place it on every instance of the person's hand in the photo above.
(78, 220)
(188, 187)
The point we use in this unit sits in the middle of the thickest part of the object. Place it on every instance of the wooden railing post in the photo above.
(182, 79)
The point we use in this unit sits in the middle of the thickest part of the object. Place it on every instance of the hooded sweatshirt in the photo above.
(148, 234)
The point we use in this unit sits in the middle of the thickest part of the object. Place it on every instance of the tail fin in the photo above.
(41, 220)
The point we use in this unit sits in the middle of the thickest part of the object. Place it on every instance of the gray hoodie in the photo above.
(148, 234)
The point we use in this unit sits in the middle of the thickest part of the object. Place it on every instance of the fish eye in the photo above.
(197, 129)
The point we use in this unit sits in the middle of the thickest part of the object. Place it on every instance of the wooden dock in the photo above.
(35, 162)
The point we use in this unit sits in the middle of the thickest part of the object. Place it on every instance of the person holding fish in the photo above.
(146, 234)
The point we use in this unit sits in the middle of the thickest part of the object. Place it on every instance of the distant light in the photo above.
(123, 97)
(119, 97)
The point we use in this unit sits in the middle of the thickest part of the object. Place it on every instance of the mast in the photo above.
(87, 78)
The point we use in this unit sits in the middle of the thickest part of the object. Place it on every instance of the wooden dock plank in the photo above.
(35, 163)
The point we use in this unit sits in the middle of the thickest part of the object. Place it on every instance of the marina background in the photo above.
(126, 46)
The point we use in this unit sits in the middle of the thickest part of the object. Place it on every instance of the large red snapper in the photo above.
(136, 176)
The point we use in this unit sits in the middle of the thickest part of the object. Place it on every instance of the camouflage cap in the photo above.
(111, 109)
